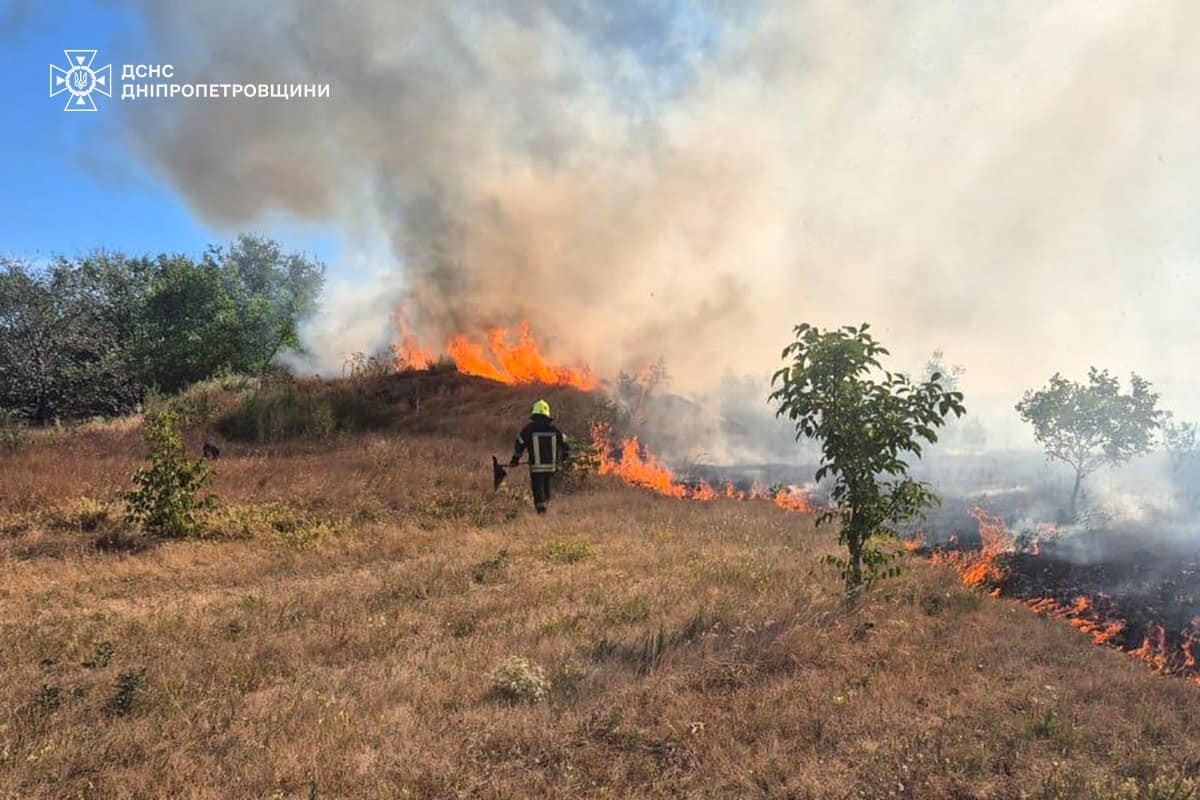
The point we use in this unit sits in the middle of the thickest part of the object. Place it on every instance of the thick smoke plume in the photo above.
(1015, 182)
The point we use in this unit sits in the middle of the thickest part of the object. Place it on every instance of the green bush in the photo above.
(129, 688)
(167, 496)
(519, 680)
(12, 430)
(285, 408)
(203, 401)
(627, 611)
(566, 551)
(279, 411)
(271, 522)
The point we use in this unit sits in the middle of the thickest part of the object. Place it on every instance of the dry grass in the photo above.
(344, 632)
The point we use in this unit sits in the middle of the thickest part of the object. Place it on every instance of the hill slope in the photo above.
(339, 635)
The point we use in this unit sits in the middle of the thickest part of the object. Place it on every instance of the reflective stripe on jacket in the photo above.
(546, 444)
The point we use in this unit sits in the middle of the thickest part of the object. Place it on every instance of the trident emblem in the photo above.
(80, 80)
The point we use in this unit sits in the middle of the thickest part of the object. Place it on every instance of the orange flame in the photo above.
(793, 500)
(1081, 615)
(470, 359)
(1189, 639)
(980, 568)
(525, 364)
(407, 350)
(1091, 615)
(635, 469)
(1154, 647)
(496, 360)
(639, 467)
(1099, 623)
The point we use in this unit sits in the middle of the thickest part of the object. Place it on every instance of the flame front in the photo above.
(634, 468)
(407, 350)
(496, 360)
(638, 467)
(981, 568)
(1093, 615)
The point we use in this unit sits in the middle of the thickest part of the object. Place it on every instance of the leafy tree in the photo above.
(189, 325)
(62, 331)
(868, 421)
(167, 497)
(949, 377)
(12, 430)
(1179, 439)
(234, 310)
(1088, 425)
(88, 337)
(634, 389)
(272, 293)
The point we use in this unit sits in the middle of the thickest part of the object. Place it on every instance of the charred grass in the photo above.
(366, 619)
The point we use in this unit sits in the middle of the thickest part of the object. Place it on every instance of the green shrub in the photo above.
(571, 678)
(80, 515)
(490, 569)
(103, 654)
(167, 496)
(268, 522)
(203, 401)
(49, 698)
(129, 687)
(627, 611)
(276, 412)
(584, 462)
(566, 551)
(518, 680)
(284, 408)
(12, 430)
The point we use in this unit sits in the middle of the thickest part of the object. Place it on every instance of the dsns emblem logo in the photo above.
(80, 80)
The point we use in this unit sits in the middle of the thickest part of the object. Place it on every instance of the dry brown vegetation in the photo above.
(341, 634)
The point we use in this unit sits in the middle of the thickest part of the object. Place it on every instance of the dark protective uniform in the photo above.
(547, 449)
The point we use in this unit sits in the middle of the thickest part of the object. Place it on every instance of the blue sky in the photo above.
(72, 187)
(68, 185)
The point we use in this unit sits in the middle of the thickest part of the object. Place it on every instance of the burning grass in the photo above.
(439, 640)
(1135, 603)
(630, 462)
(496, 359)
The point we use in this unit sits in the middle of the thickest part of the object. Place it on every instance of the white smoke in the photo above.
(1014, 182)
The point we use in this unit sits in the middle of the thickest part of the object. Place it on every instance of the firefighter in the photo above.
(547, 449)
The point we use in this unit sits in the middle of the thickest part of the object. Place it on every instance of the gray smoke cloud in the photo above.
(1012, 181)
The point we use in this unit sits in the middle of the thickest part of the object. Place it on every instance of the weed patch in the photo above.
(518, 680)
(566, 551)
(270, 522)
(492, 569)
(626, 611)
(129, 688)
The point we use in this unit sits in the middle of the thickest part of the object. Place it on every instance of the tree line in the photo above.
(91, 336)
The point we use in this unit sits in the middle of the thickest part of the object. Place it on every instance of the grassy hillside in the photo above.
(340, 632)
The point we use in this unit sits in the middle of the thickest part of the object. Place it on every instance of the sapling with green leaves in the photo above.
(167, 497)
(870, 422)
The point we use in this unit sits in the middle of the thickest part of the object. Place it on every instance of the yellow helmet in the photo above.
(541, 407)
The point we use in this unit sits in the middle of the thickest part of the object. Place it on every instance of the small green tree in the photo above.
(167, 494)
(1089, 425)
(1179, 440)
(868, 421)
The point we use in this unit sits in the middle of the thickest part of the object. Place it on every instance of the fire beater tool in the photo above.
(499, 473)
